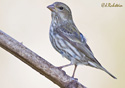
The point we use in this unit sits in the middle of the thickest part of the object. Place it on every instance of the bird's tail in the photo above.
(108, 72)
(99, 66)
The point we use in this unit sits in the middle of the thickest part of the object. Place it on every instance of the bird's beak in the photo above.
(51, 7)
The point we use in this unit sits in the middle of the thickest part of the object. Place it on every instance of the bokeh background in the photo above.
(28, 21)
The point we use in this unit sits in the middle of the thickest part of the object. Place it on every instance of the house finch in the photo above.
(68, 40)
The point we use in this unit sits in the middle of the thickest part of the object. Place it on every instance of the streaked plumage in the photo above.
(67, 39)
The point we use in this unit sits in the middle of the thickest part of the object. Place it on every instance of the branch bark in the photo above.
(39, 64)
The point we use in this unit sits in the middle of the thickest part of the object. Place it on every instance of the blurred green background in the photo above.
(28, 21)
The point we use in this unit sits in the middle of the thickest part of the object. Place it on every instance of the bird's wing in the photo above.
(72, 33)
(74, 37)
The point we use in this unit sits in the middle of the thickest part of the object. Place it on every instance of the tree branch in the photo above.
(37, 63)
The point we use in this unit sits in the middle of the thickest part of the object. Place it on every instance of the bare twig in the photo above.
(38, 63)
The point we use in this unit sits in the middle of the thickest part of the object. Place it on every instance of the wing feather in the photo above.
(77, 41)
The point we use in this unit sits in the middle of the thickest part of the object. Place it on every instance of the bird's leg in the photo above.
(74, 71)
(64, 66)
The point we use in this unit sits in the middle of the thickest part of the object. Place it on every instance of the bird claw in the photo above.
(60, 68)
(74, 78)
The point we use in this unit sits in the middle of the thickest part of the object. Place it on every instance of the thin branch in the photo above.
(37, 63)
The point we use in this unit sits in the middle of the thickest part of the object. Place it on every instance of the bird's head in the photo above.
(61, 10)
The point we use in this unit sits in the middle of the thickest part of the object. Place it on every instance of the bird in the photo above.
(68, 40)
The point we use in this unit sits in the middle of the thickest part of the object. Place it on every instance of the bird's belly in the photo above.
(66, 49)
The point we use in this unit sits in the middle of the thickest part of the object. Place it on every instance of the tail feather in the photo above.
(99, 66)
(108, 73)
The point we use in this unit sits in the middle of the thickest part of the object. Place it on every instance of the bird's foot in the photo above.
(60, 68)
(74, 78)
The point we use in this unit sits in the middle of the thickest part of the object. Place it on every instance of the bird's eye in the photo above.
(61, 8)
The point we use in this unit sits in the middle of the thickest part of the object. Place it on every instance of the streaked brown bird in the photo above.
(68, 40)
